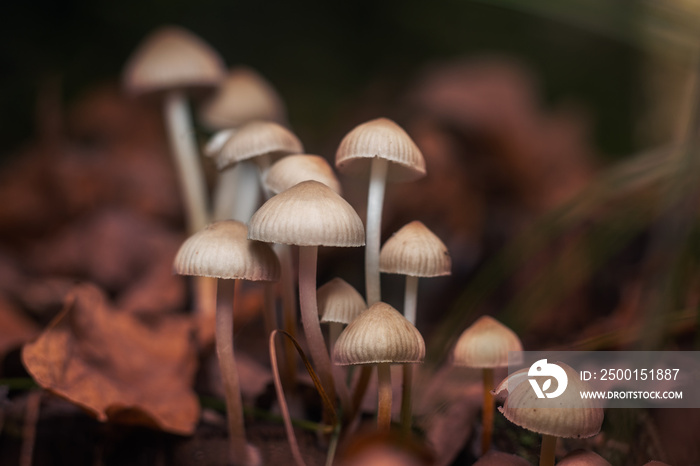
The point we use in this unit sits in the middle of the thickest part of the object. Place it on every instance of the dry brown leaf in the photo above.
(115, 366)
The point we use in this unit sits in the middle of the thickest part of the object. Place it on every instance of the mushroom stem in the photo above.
(289, 311)
(409, 311)
(269, 314)
(229, 373)
(189, 168)
(549, 442)
(384, 397)
(375, 201)
(237, 193)
(487, 413)
(309, 318)
(410, 299)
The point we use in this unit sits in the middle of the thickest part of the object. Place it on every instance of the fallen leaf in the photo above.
(115, 366)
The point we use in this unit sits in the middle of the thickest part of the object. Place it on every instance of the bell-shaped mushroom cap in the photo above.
(415, 250)
(498, 458)
(572, 416)
(485, 344)
(379, 335)
(307, 214)
(293, 169)
(172, 57)
(223, 250)
(243, 96)
(583, 458)
(255, 139)
(380, 138)
(339, 302)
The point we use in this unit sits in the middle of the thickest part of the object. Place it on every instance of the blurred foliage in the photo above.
(323, 55)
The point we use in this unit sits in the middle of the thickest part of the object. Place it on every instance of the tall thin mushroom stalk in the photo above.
(170, 62)
(222, 251)
(309, 215)
(383, 149)
(413, 251)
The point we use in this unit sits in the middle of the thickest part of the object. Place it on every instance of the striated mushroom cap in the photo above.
(583, 458)
(379, 335)
(415, 250)
(308, 214)
(339, 302)
(294, 169)
(485, 344)
(255, 139)
(385, 139)
(223, 250)
(567, 416)
(172, 57)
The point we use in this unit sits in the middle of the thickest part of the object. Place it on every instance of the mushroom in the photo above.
(567, 415)
(382, 148)
(380, 336)
(485, 345)
(413, 251)
(309, 215)
(244, 96)
(296, 168)
(222, 251)
(172, 60)
(338, 305)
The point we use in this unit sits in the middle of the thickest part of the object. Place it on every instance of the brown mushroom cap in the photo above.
(308, 214)
(379, 335)
(243, 96)
(415, 250)
(485, 344)
(294, 169)
(255, 139)
(572, 417)
(339, 302)
(172, 57)
(222, 250)
(385, 139)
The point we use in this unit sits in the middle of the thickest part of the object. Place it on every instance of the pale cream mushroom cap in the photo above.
(172, 57)
(566, 416)
(385, 139)
(293, 169)
(244, 96)
(307, 214)
(485, 344)
(339, 302)
(415, 250)
(379, 335)
(257, 138)
(223, 250)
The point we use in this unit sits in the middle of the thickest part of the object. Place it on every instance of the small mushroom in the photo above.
(485, 345)
(338, 305)
(583, 458)
(309, 215)
(222, 251)
(383, 149)
(567, 416)
(380, 336)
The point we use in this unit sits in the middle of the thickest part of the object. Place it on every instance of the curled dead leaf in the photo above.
(115, 366)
